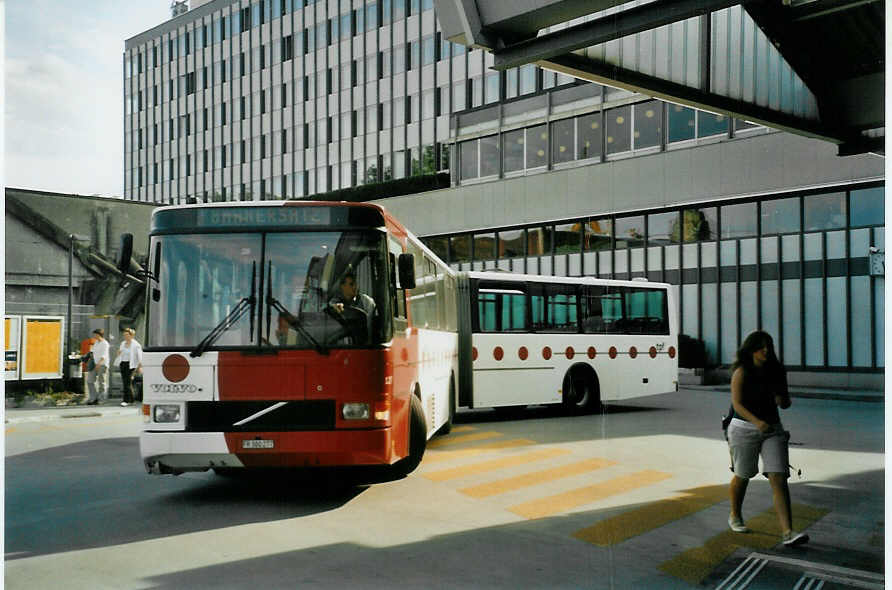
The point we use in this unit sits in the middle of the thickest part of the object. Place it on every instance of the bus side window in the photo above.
(592, 311)
(646, 311)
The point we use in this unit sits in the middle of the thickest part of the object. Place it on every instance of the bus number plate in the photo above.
(258, 444)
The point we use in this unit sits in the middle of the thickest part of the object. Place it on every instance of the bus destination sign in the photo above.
(263, 216)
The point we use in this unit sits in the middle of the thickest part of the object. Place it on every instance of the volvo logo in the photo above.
(175, 388)
(660, 346)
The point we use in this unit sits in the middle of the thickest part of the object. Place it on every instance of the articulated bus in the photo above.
(575, 341)
(305, 334)
(260, 353)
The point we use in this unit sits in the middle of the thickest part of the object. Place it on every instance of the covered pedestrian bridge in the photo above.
(810, 67)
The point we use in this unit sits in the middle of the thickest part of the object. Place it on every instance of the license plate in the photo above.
(258, 444)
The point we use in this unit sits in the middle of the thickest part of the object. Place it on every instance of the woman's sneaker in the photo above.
(737, 525)
(793, 538)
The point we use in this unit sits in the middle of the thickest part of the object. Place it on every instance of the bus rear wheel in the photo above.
(417, 439)
(580, 393)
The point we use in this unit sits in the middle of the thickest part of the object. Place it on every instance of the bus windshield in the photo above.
(312, 290)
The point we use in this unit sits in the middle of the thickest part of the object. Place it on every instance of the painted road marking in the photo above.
(484, 466)
(621, 527)
(457, 440)
(530, 479)
(437, 456)
(695, 564)
(465, 428)
(587, 495)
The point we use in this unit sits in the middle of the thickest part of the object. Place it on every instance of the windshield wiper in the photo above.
(245, 304)
(293, 321)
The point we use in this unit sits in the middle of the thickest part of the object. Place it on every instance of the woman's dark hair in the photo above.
(755, 341)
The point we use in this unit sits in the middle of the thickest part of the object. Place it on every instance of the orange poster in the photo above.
(43, 346)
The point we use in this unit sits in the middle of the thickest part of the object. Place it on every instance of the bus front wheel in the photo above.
(417, 439)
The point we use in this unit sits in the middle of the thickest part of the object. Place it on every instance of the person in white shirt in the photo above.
(97, 378)
(129, 360)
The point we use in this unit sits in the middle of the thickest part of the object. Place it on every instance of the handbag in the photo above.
(726, 420)
(91, 362)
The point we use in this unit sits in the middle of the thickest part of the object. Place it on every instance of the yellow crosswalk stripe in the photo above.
(438, 456)
(537, 477)
(457, 440)
(695, 564)
(561, 502)
(483, 467)
(635, 522)
(456, 429)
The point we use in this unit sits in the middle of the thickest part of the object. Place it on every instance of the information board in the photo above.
(12, 331)
(42, 347)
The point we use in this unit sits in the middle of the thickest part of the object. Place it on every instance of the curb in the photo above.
(44, 416)
(877, 397)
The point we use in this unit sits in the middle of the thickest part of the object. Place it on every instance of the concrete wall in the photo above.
(768, 162)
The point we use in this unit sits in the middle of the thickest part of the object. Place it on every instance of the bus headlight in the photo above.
(355, 411)
(167, 413)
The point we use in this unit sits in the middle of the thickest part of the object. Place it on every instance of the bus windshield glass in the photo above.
(313, 290)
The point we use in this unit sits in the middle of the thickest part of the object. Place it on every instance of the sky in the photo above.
(64, 91)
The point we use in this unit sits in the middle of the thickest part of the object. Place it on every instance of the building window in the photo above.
(562, 141)
(823, 212)
(648, 124)
(619, 129)
(867, 207)
(513, 149)
(468, 167)
(780, 216)
(287, 48)
(709, 124)
(489, 156)
(738, 221)
(537, 146)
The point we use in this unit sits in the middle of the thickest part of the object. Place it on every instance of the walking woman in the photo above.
(758, 388)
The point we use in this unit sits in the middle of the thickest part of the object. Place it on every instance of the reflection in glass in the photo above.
(484, 246)
(738, 221)
(512, 244)
(629, 231)
(489, 155)
(780, 216)
(698, 225)
(648, 124)
(597, 234)
(711, 124)
(619, 129)
(468, 151)
(439, 246)
(539, 240)
(460, 248)
(867, 207)
(681, 123)
(662, 228)
(825, 211)
(562, 141)
(567, 238)
(588, 141)
(512, 143)
(537, 146)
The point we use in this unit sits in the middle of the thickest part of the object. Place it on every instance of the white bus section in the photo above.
(437, 365)
(525, 368)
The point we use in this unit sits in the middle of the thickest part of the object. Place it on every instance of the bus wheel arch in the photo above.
(417, 436)
(581, 388)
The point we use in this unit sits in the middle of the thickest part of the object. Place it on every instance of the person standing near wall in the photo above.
(129, 360)
(97, 377)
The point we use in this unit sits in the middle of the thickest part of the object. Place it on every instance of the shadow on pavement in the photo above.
(96, 494)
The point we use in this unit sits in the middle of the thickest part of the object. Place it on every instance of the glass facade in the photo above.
(794, 265)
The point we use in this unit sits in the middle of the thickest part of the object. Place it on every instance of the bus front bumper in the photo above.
(178, 452)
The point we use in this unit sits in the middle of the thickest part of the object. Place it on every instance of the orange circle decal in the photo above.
(546, 353)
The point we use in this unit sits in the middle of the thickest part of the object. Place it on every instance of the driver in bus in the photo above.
(351, 297)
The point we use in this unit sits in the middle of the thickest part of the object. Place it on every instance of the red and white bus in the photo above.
(575, 341)
(256, 356)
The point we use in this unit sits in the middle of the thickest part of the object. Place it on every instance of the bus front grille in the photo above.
(265, 416)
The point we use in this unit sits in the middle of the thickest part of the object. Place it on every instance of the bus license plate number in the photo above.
(258, 444)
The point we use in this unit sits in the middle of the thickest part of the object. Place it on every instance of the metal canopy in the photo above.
(812, 67)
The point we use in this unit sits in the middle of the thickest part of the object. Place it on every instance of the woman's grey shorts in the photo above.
(747, 442)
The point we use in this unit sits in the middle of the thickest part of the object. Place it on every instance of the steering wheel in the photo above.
(353, 320)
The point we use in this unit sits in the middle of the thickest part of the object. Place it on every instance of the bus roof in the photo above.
(525, 278)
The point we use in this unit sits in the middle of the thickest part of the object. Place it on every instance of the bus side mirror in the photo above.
(125, 253)
(407, 271)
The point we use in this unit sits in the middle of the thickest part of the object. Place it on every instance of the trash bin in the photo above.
(75, 373)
